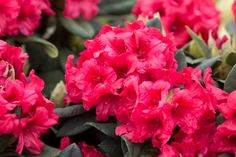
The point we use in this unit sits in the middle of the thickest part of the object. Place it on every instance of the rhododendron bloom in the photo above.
(76, 8)
(11, 61)
(25, 112)
(28, 113)
(22, 16)
(107, 75)
(201, 16)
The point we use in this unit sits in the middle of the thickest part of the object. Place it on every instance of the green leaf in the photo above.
(111, 147)
(208, 62)
(47, 152)
(230, 83)
(231, 28)
(134, 149)
(201, 44)
(194, 61)
(70, 111)
(181, 60)
(231, 59)
(106, 128)
(155, 22)
(79, 28)
(71, 151)
(50, 49)
(76, 125)
(116, 7)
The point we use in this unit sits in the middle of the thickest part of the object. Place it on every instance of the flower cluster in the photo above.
(75, 8)
(24, 112)
(200, 15)
(115, 62)
(22, 16)
(130, 73)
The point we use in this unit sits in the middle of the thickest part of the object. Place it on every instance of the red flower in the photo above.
(22, 16)
(11, 61)
(225, 138)
(201, 16)
(75, 8)
(89, 151)
(107, 75)
(27, 112)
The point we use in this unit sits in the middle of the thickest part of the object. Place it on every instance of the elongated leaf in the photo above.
(116, 7)
(79, 28)
(106, 128)
(134, 149)
(230, 83)
(194, 61)
(208, 62)
(76, 125)
(71, 151)
(231, 28)
(155, 22)
(70, 111)
(50, 49)
(111, 147)
(202, 45)
(181, 60)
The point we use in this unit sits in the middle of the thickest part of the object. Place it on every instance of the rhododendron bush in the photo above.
(117, 78)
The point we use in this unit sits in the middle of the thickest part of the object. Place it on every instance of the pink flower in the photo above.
(23, 16)
(11, 61)
(89, 151)
(65, 141)
(107, 75)
(28, 113)
(201, 16)
(8, 11)
(76, 8)
(225, 138)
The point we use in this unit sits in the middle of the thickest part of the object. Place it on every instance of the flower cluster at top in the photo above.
(200, 15)
(22, 16)
(130, 73)
(25, 114)
(75, 8)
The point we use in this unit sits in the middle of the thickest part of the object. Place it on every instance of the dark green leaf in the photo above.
(201, 44)
(79, 28)
(134, 149)
(76, 125)
(50, 49)
(70, 111)
(194, 61)
(208, 62)
(155, 22)
(181, 60)
(231, 59)
(116, 7)
(47, 152)
(111, 147)
(71, 151)
(230, 83)
(106, 128)
(231, 28)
